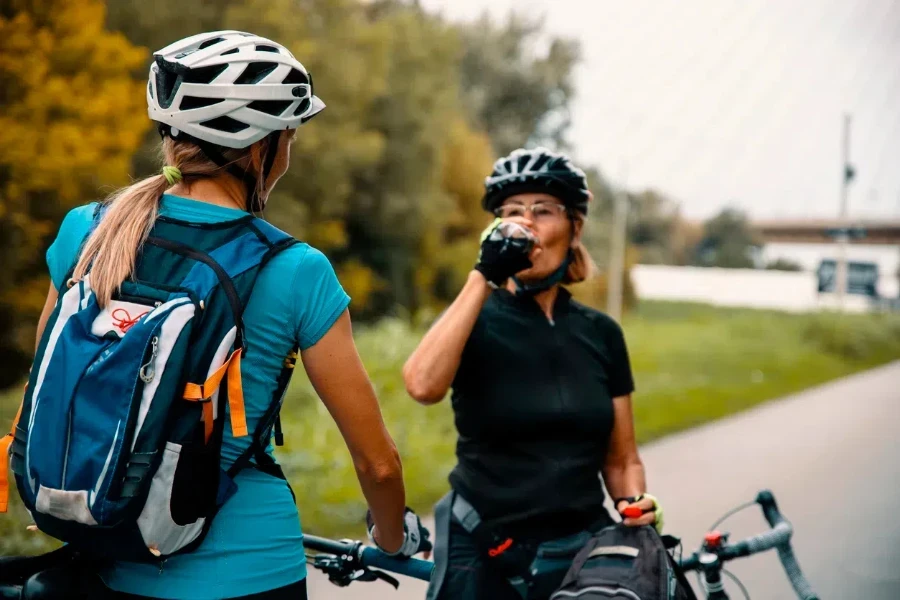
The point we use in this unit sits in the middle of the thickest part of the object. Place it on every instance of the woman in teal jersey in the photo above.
(227, 105)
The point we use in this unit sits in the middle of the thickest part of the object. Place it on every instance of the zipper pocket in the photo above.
(99, 357)
(68, 443)
(610, 592)
(145, 375)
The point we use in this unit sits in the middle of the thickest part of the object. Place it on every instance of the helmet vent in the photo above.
(539, 163)
(191, 102)
(209, 43)
(255, 72)
(204, 74)
(296, 76)
(166, 84)
(302, 107)
(226, 124)
(270, 107)
(267, 49)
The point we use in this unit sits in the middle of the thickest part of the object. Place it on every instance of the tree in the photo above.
(155, 25)
(512, 92)
(388, 179)
(448, 256)
(728, 241)
(657, 229)
(784, 264)
(71, 114)
(158, 24)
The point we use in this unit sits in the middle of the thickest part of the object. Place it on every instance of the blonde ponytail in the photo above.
(129, 214)
(111, 251)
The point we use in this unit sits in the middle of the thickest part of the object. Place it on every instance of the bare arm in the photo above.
(49, 305)
(340, 379)
(623, 470)
(430, 369)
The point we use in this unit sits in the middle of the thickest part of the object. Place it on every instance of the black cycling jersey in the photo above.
(533, 404)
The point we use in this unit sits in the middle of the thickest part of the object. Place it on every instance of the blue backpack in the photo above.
(117, 447)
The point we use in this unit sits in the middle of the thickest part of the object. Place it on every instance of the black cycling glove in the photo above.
(505, 247)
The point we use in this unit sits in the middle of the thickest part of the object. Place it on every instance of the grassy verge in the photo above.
(692, 364)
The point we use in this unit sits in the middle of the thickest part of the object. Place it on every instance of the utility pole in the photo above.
(616, 281)
(840, 284)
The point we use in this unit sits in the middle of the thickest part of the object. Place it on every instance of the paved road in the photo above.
(831, 456)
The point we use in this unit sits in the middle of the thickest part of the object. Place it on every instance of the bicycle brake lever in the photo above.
(374, 575)
(339, 573)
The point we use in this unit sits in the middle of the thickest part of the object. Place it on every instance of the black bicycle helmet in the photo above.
(536, 170)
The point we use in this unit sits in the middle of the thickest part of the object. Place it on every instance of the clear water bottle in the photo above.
(515, 231)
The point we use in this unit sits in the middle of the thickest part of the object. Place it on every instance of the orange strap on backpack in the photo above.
(203, 392)
(4, 461)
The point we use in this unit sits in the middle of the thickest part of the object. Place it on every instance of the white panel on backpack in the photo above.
(176, 321)
(118, 317)
(65, 505)
(158, 528)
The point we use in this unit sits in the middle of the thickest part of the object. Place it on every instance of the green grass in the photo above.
(692, 364)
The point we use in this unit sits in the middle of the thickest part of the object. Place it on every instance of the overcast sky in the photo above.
(721, 102)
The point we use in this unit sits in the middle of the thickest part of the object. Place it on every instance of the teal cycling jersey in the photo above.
(255, 543)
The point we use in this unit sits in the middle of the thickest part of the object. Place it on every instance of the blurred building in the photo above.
(872, 253)
(809, 246)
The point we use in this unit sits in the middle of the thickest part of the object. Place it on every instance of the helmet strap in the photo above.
(268, 163)
(535, 287)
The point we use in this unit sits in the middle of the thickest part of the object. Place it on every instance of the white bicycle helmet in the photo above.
(536, 170)
(229, 88)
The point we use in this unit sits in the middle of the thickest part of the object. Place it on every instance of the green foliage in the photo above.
(784, 264)
(692, 364)
(696, 363)
(657, 229)
(388, 179)
(71, 115)
(727, 241)
(516, 95)
(853, 338)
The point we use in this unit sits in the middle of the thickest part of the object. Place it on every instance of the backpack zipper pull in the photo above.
(147, 371)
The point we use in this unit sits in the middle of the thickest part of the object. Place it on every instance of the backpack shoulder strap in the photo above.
(241, 257)
(271, 234)
(271, 420)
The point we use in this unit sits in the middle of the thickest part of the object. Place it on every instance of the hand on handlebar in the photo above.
(416, 537)
(641, 510)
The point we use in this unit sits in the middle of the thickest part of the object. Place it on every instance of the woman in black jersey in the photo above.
(541, 391)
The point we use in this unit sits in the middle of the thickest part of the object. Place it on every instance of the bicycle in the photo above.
(715, 551)
(347, 561)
